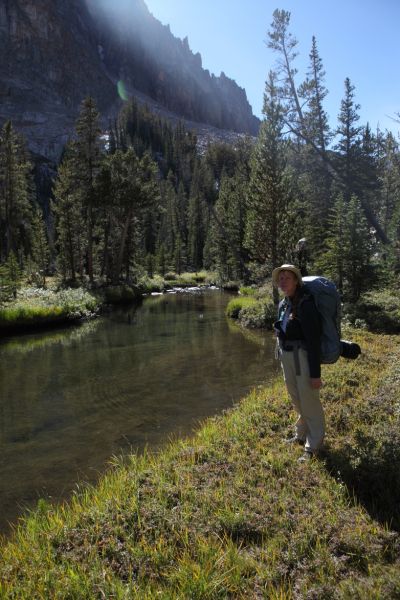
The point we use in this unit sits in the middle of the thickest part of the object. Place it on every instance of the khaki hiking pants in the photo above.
(310, 425)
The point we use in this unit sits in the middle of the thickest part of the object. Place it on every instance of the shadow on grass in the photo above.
(371, 472)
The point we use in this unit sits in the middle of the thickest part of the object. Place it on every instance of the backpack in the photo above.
(327, 301)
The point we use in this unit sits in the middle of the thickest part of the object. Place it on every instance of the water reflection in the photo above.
(71, 399)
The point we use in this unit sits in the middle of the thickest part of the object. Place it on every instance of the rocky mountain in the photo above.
(53, 53)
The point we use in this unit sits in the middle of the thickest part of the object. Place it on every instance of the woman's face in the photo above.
(287, 281)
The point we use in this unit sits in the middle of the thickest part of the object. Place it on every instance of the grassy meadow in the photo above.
(230, 513)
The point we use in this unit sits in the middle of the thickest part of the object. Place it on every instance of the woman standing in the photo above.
(299, 332)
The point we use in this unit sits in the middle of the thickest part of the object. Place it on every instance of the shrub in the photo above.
(264, 291)
(212, 278)
(231, 286)
(247, 291)
(193, 279)
(147, 284)
(237, 304)
(200, 277)
(379, 310)
(261, 314)
(37, 306)
(171, 276)
(120, 294)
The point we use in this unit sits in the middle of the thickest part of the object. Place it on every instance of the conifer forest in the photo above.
(140, 198)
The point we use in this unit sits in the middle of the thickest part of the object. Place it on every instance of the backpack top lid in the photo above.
(327, 302)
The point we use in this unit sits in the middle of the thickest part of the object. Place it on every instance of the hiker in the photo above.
(298, 334)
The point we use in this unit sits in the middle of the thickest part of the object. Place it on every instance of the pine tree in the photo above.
(132, 190)
(389, 176)
(10, 278)
(268, 235)
(179, 257)
(87, 158)
(196, 236)
(389, 203)
(314, 92)
(15, 210)
(220, 162)
(169, 227)
(40, 246)
(332, 262)
(196, 221)
(348, 146)
(150, 264)
(69, 221)
(161, 260)
(184, 155)
(182, 204)
(296, 116)
(230, 209)
(357, 255)
(347, 260)
(316, 177)
(285, 45)
(305, 118)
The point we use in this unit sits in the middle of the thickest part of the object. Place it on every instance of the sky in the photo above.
(358, 39)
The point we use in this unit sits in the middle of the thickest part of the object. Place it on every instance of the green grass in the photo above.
(230, 513)
(35, 306)
(247, 291)
(261, 315)
(251, 311)
(159, 283)
(191, 279)
(377, 310)
(237, 304)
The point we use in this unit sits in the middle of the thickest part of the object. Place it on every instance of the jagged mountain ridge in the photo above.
(53, 53)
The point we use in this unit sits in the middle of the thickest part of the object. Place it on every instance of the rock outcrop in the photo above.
(53, 53)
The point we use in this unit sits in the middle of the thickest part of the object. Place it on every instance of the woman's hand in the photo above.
(316, 383)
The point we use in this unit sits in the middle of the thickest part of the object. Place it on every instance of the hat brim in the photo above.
(292, 268)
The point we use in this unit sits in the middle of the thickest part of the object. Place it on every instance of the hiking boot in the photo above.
(307, 455)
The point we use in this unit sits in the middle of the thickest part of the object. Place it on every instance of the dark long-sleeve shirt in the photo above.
(304, 326)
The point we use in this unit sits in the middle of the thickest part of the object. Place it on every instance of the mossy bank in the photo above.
(230, 513)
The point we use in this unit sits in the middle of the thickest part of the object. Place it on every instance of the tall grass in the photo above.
(230, 513)
(37, 306)
(252, 311)
(237, 304)
(159, 283)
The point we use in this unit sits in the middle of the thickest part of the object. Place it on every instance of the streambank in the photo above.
(230, 512)
(38, 308)
(71, 398)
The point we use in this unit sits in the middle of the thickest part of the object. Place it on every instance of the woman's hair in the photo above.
(296, 299)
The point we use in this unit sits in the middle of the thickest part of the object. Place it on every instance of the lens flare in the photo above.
(122, 93)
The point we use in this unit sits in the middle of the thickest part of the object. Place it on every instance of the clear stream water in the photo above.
(70, 399)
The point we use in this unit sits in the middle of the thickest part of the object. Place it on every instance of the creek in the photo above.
(72, 398)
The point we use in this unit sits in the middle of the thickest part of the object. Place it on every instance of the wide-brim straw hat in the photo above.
(292, 268)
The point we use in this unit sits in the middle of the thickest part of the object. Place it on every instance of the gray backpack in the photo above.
(327, 301)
